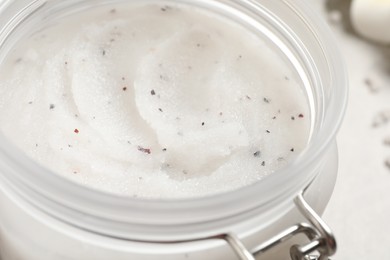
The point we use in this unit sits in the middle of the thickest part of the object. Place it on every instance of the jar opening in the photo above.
(296, 33)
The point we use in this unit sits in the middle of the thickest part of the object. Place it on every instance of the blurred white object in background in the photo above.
(371, 19)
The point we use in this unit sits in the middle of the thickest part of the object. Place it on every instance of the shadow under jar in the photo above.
(45, 216)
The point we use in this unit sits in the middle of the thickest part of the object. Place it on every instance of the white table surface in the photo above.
(359, 211)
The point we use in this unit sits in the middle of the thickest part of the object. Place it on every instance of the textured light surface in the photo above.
(154, 101)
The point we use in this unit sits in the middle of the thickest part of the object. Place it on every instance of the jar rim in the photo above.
(285, 183)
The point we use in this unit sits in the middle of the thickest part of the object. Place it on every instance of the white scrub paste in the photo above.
(153, 101)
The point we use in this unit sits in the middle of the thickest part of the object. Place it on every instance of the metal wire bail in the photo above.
(321, 245)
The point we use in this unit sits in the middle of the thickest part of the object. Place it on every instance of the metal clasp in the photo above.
(322, 243)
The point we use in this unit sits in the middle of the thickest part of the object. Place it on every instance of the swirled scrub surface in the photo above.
(153, 101)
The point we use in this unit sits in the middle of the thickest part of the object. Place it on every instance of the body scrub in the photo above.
(153, 101)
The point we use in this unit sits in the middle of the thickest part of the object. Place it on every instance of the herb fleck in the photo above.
(293, 118)
(160, 109)
(382, 119)
(266, 100)
(387, 163)
(165, 166)
(124, 88)
(292, 150)
(257, 154)
(144, 150)
(370, 85)
(163, 78)
(52, 106)
(301, 116)
(268, 131)
(263, 163)
(368, 82)
(153, 92)
(164, 150)
(76, 131)
(203, 123)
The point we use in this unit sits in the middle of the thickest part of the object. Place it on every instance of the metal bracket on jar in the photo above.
(322, 241)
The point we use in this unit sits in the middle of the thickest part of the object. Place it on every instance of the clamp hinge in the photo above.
(321, 245)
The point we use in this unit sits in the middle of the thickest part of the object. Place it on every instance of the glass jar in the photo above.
(45, 217)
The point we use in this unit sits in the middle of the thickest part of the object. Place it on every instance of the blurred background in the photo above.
(359, 211)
